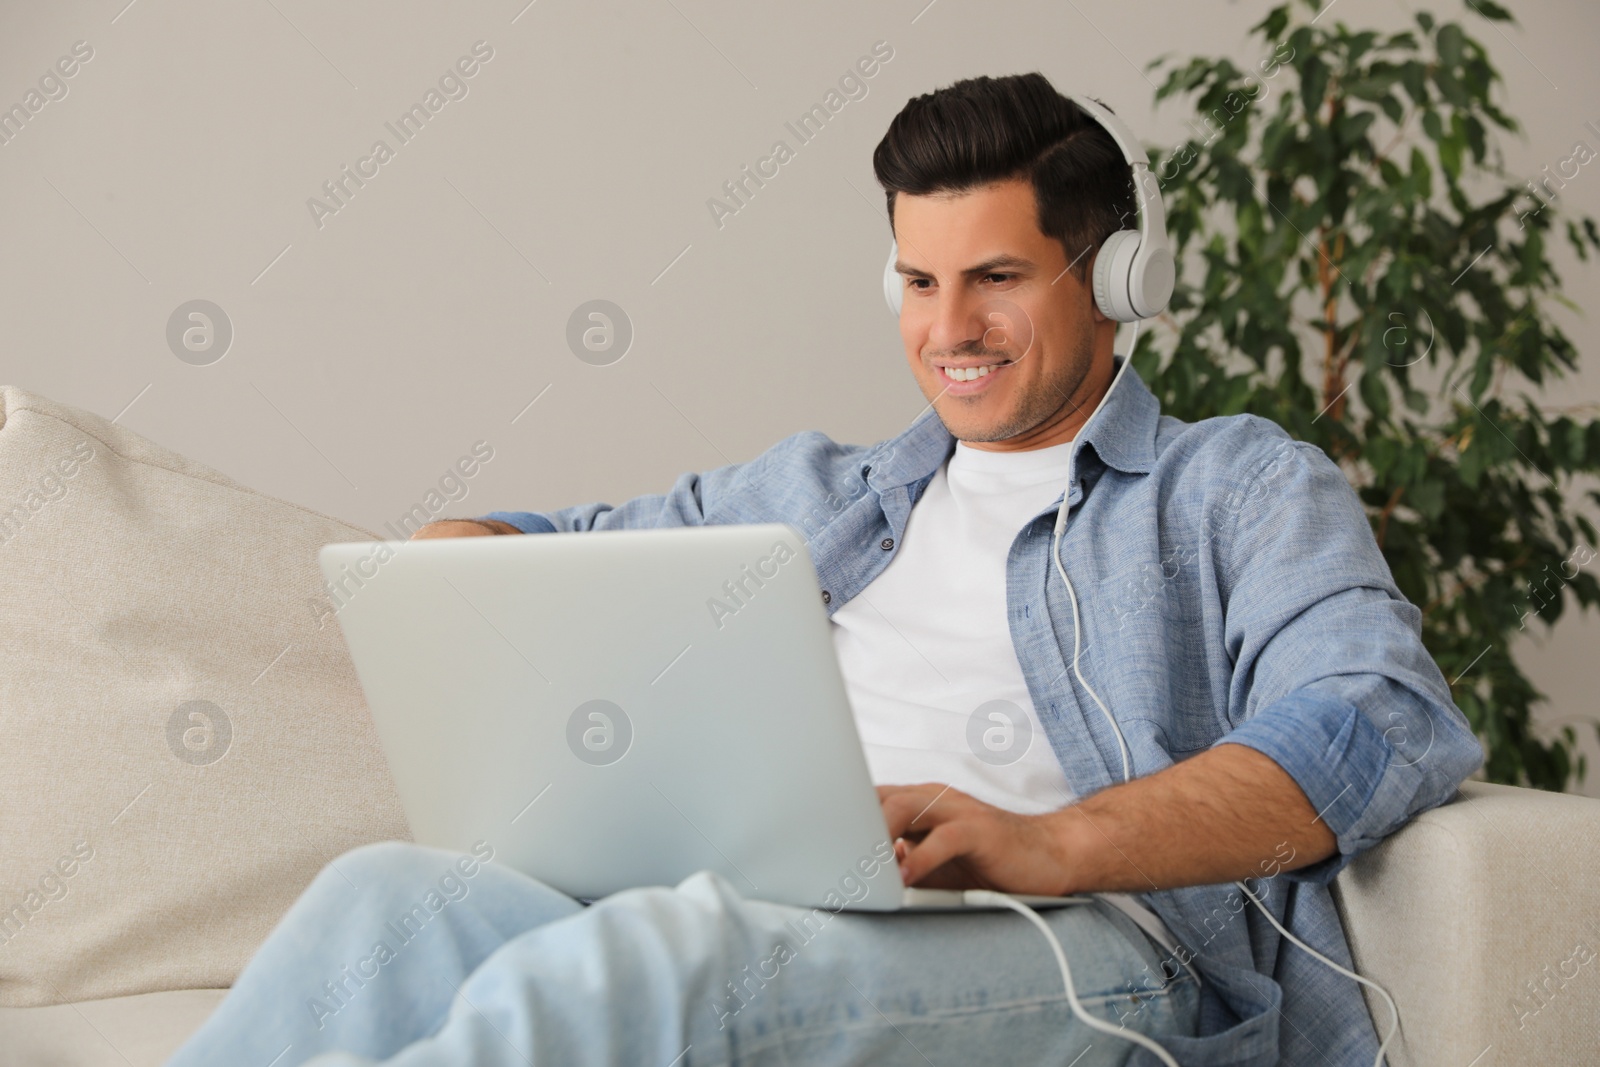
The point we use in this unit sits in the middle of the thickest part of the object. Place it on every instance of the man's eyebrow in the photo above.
(988, 266)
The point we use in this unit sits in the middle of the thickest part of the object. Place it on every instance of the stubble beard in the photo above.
(1039, 404)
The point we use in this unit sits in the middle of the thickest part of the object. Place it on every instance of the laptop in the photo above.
(623, 708)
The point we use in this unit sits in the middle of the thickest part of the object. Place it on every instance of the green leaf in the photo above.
(1472, 463)
(1428, 499)
(1425, 20)
(1452, 89)
(1450, 44)
(1359, 45)
(1353, 126)
(1380, 453)
(1450, 157)
(1414, 76)
(1313, 84)
(1419, 179)
(1475, 140)
(1274, 23)
(1591, 451)
(1490, 10)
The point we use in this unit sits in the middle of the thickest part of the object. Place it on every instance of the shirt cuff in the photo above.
(1342, 763)
(528, 522)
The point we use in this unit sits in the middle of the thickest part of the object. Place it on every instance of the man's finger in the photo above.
(953, 875)
(947, 842)
(886, 791)
(917, 808)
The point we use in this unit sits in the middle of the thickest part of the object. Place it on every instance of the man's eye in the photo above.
(1000, 276)
(917, 283)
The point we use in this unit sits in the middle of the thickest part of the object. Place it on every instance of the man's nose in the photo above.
(956, 327)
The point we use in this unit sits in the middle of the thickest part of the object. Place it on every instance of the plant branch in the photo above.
(1395, 142)
(1388, 509)
(1332, 366)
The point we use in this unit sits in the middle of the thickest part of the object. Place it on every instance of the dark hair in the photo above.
(982, 130)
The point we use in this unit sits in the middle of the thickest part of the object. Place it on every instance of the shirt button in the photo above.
(827, 597)
(886, 544)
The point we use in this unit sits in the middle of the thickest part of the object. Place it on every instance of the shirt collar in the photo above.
(1123, 435)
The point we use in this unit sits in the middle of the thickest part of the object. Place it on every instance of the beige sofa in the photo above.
(187, 746)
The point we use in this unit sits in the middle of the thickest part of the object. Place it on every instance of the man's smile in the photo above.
(967, 377)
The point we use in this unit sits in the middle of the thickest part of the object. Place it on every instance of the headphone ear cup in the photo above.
(893, 286)
(1156, 277)
(1113, 265)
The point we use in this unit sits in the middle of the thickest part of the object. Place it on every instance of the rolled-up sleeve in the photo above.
(1330, 675)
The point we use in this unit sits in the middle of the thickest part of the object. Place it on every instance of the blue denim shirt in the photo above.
(1231, 591)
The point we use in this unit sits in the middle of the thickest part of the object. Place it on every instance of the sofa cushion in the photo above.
(185, 740)
(137, 1031)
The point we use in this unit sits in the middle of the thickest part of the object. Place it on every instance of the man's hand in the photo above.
(464, 528)
(945, 839)
(1219, 816)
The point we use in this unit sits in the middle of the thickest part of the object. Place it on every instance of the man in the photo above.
(1230, 611)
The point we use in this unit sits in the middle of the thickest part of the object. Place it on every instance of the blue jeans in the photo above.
(411, 956)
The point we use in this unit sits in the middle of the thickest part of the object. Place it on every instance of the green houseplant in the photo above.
(1361, 269)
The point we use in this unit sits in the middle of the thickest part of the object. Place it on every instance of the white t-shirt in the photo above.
(926, 652)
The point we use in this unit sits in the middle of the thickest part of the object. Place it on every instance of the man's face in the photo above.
(985, 288)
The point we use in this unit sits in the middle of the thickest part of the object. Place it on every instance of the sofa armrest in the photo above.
(1482, 919)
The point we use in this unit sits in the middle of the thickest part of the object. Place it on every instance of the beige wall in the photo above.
(374, 346)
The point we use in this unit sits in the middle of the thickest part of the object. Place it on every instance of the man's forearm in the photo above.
(1223, 815)
(463, 528)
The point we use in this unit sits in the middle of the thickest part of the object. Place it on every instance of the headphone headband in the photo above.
(1133, 270)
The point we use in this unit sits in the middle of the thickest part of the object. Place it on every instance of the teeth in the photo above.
(967, 374)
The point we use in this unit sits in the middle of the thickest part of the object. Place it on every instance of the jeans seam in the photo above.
(784, 1036)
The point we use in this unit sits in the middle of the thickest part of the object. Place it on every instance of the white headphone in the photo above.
(1133, 272)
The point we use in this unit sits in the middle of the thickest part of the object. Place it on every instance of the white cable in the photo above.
(985, 896)
(1127, 775)
(1394, 1010)
(1055, 556)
